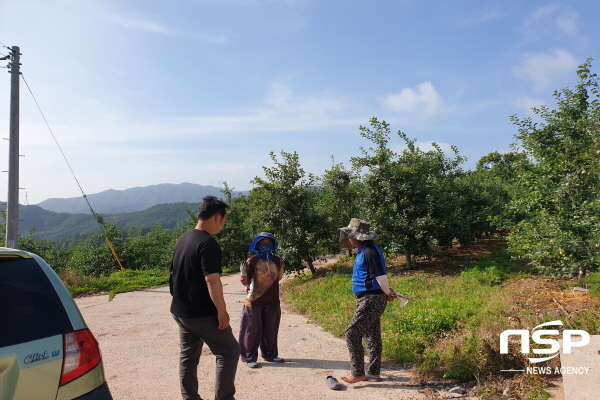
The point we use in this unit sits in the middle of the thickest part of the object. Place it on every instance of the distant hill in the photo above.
(50, 225)
(131, 200)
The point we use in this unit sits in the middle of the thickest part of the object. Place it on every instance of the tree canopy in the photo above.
(557, 196)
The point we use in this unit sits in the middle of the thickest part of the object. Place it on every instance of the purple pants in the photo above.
(259, 327)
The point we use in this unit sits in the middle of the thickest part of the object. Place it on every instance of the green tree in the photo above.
(406, 193)
(283, 203)
(460, 210)
(495, 178)
(502, 165)
(95, 257)
(338, 201)
(56, 258)
(237, 233)
(92, 260)
(153, 250)
(558, 195)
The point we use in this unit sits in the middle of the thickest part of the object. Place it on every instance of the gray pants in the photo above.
(366, 324)
(193, 333)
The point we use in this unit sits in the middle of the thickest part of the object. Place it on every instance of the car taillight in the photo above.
(81, 354)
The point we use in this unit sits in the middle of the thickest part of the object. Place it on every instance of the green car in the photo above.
(46, 349)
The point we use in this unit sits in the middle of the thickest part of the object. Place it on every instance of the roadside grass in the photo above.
(117, 282)
(451, 329)
(593, 283)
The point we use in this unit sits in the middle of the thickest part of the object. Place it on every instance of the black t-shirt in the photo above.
(196, 255)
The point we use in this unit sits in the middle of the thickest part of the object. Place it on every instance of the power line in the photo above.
(4, 56)
(98, 217)
(61, 150)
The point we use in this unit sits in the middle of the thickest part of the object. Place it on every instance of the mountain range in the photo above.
(131, 200)
(139, 208)
(50, 225)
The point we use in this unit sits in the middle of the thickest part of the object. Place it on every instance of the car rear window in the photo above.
(30, 309)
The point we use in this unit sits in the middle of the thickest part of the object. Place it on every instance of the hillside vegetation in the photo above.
(53, 226)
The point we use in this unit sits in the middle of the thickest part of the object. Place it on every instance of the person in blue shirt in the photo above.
(372, 292)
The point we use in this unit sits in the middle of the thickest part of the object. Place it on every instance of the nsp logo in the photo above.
(536, 336)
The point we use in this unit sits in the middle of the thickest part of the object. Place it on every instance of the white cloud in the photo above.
(551, 20)
(159, 147)
(283, 100)
(542, 12)
(424, 100)
(482, 16)
(137, 25)
(568, 24)
(527, 103)
(544, 68)
(281, 111)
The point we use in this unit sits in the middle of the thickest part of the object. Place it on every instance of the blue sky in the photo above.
(142, 92)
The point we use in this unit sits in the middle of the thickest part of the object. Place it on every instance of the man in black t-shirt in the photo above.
(198, 305)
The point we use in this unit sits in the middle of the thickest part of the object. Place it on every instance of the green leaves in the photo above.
(414, 197)
(285, 204)
(557, 196)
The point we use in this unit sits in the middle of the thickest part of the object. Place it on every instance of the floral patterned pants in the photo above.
(366, 324)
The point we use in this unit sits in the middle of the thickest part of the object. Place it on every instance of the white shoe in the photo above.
(252, 364)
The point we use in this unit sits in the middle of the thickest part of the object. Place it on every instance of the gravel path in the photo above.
(140, 347)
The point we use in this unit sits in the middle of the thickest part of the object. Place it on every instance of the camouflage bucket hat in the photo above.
(359, 230)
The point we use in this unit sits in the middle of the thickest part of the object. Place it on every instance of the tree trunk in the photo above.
(408, 257)
(309, 262)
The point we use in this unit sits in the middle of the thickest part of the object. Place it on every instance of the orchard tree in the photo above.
(558, 196)
(95, 257)
(338, 201)
(237, 233)
(56, 258)
(284, 204)
(503, 165)
(152, 250)
(495, 178)
(406, 192)
(461, 210)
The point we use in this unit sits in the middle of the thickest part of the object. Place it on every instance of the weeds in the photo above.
(533, 387)
(593, 283)
(451, 329)
(117, 282)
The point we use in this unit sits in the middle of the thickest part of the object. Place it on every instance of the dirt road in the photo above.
(140, 346)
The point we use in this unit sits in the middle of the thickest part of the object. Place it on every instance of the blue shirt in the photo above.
(368, 264)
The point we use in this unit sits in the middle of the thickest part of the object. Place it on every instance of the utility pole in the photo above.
(12, 203)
